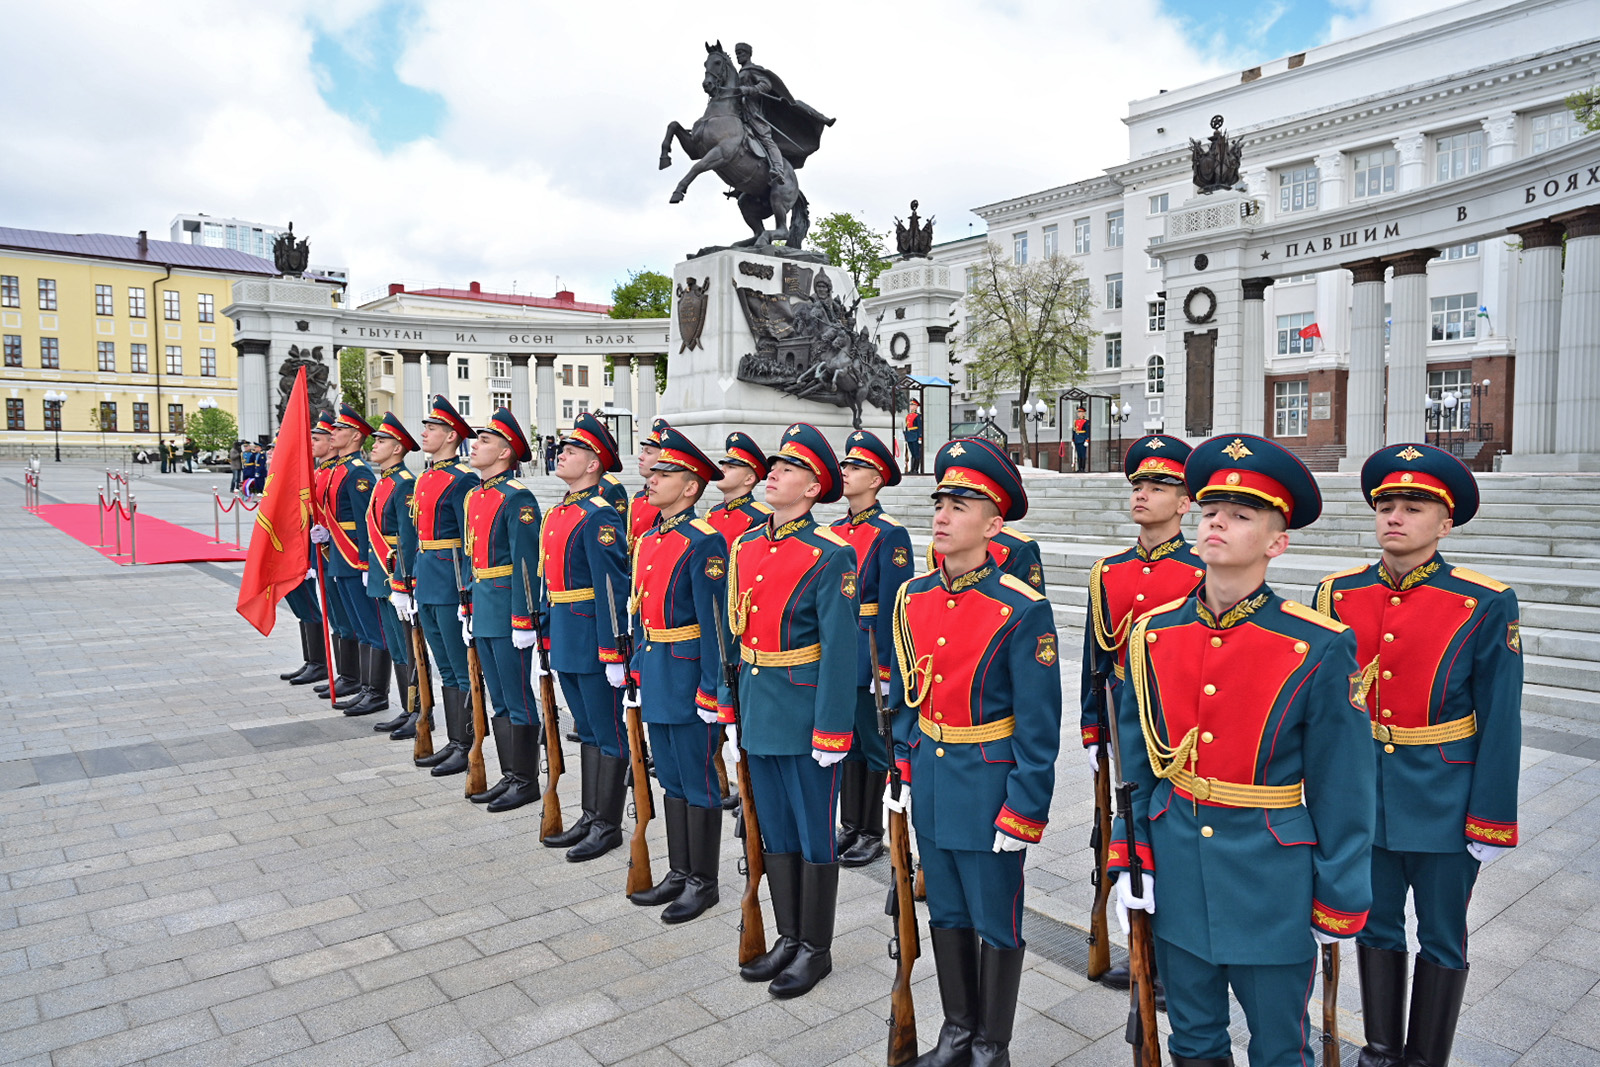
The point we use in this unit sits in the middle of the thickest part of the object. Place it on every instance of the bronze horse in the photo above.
(719, 142)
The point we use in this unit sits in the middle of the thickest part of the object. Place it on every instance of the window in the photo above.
(1293, 279)
(1113, 351)
(464, 406)
(1388, 320)
(1374, 172)
(583, 374)
(1155, 260)
(583, 405)
(172, 304)
(102, 300)
(208, 307)
(10, 291)
(139, 359)
(47, 294)
(1291, 406)
(1114, 229)
(135, 302)
(1289, 326)
(1052, 241)
(566, 374)
(463, 369)
(566, 410)
(108, 416)
(1443, 385)
(973, 275)
(49, 353)
(141, 417)
(1297, 190)
(1457, 155)
(14, 419)
(386, 366)
(107, 352)
(174, 359)
(499, 367)
(1155, 376)
(52, 415)
(609, 374)
(13, 346)
(174, 418)
(208, 362)
(1466, 251)
(1158, 204)
(1547, 131)
(1156, 315)
(499, 400)
(1019, 248)
(1113, 292)
(1455, 318)
(1080, 237)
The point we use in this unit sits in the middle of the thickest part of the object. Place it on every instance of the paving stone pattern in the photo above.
(201, 865)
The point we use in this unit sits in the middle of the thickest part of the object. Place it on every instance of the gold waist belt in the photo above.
(439, 546)
(869, 609)
(1236, 795)
(390, 540)
(480, 573)
(1438, 734)
(570, 596)
(969, 735)
(792, 657)
(674, 633)
(347, 526)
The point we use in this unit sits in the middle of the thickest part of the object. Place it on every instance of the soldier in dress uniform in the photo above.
(432, 546)
(743, 467)
(977, 677)
(680, 567)
(346, 667)
(883, 563)
(1159, 568)
(585, 547)
(502, 544)
(792, 607)
(350, 482)
(914, 436)
(388, 511)
(1243, 728)
(1442, 649)
(302, 600)
(1015, 553)
(641, 515)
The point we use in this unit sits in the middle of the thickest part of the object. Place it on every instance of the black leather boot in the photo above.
(461, 737)
(1188, 1061)
(316, 668)
(307, 663)
(374, 682)
(1435, 1007)
(522, 743)
(363, 692)
(588, 770)
(955, 957)
(668, 889)
(819, 900)
(611, 793)
(705, 849)
(783, 882)
(1383, 1005)
(999, 978)
(869, 821)
(501, 728)
(852, 778)
(448, 698)
(402, 683)
(347, 668)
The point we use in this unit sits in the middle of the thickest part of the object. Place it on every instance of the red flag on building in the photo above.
(1310, 331)
(279, 546)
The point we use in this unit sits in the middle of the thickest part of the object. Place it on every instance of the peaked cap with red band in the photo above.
(351, 419)
(1245, 469)
(863, 448)
(1421, 472)
(972, 467)
(392, 428)
(653, 438)
(324, 423)
(589, 432)
(678, 453)
(804, 446)
(742, 449)
(504, 424)
(1156, 457)
(442, 413)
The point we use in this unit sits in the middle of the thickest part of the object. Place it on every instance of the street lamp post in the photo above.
(1036, 411)
(55, 400)
(1118, 417)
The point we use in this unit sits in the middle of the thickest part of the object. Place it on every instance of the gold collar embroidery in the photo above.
(793, 526)
(667, 525)
(871, 512)
(735, 505)
(1414, 578)
(1234, 615)
(967, 580)
(1166, 548)
(578, 496)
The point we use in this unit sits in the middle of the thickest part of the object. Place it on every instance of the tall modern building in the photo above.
(241, 235)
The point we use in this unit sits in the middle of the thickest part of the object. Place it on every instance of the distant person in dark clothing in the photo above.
(236, 457)
(1080, 439)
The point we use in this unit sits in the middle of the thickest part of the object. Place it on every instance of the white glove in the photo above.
(466, 625)
(881, 687)
(1126, 901)
(630, 702)
(904, 803)
(311, 574)
(706, 716)
(1005, 843)
(523, 638)
(616, 675)
(827, 759)
(404, 605)
(1093, 752)
(320, 535)
(730, 747)
(538, 668)
(1486, 853)
(1322, 938)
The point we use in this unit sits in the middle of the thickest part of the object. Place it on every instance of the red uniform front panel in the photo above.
(482, 507)
(954, 633)
(431, 485)
(658, 557)
(559, 525)
(1423, 621)
(770, 574)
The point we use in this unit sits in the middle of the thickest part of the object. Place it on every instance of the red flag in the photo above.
(279, 545)
(1310, 331)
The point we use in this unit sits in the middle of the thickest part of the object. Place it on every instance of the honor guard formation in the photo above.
(1291, 775)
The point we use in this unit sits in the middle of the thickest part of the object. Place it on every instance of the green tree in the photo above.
(647, 294)
(353, 378)
(1585, 107)
(1028, 326)
(854, 246)
(213, 429)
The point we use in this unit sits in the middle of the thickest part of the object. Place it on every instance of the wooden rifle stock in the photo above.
(477, 778)
(1141, 1033)
(1330, 1005)
(640, 877)
(752, 930)
(906, 945)
(1099, 844)
(423, 691)
(555, 760)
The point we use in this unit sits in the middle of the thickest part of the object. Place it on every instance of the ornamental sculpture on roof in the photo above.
(914, 239)
(290, 256)
(1216, 163)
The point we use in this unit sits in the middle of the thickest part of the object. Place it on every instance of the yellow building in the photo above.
(127, 329)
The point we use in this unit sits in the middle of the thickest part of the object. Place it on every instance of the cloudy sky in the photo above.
(514, 142)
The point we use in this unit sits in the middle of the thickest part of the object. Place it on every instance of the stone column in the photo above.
(544, 392)
(1408, 347)
(622, 382)
(645, 364)
(939, 354)
(412, 399)
(1500, 131)
(1578, 362)
(1539, 313)
(439, 373)
(255, 402)
(1411, 149)
(1364, 391)
(1330, 183)
(522, 392)
(1253, 364)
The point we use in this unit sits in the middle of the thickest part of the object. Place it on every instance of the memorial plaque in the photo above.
(1322, 405)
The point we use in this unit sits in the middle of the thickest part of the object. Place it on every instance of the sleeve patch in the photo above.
(608, 535)
(1045, 653)
(847, 585)
(528, 516)
(1036, 575)
(1514, 636)
(363, 485)
(900, 557)
(716, 567)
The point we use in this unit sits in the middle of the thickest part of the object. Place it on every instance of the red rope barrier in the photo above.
(237, 502)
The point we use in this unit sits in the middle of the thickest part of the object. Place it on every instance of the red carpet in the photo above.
(158, 541)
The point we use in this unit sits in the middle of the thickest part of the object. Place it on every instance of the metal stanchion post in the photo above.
(102, 542)
(116, 521)
(237, 507)
(133, 529)
(216, 517)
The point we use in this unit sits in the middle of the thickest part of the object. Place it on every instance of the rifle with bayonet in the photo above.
(1330, 1005)
(477, 778)
(555, 762)
(419, 699)
(1141, 1032)
(906, 944)
(752, 931)
(644, 807)
(1100, 840)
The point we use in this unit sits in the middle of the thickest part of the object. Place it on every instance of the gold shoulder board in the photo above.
(1344, 573)
(1018, 534)
(1300, 611)
(514, 484)
(890, 519)
(828, 535)
(765, 509)
(703, 526)
(1011, 581)
(1478, 579)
